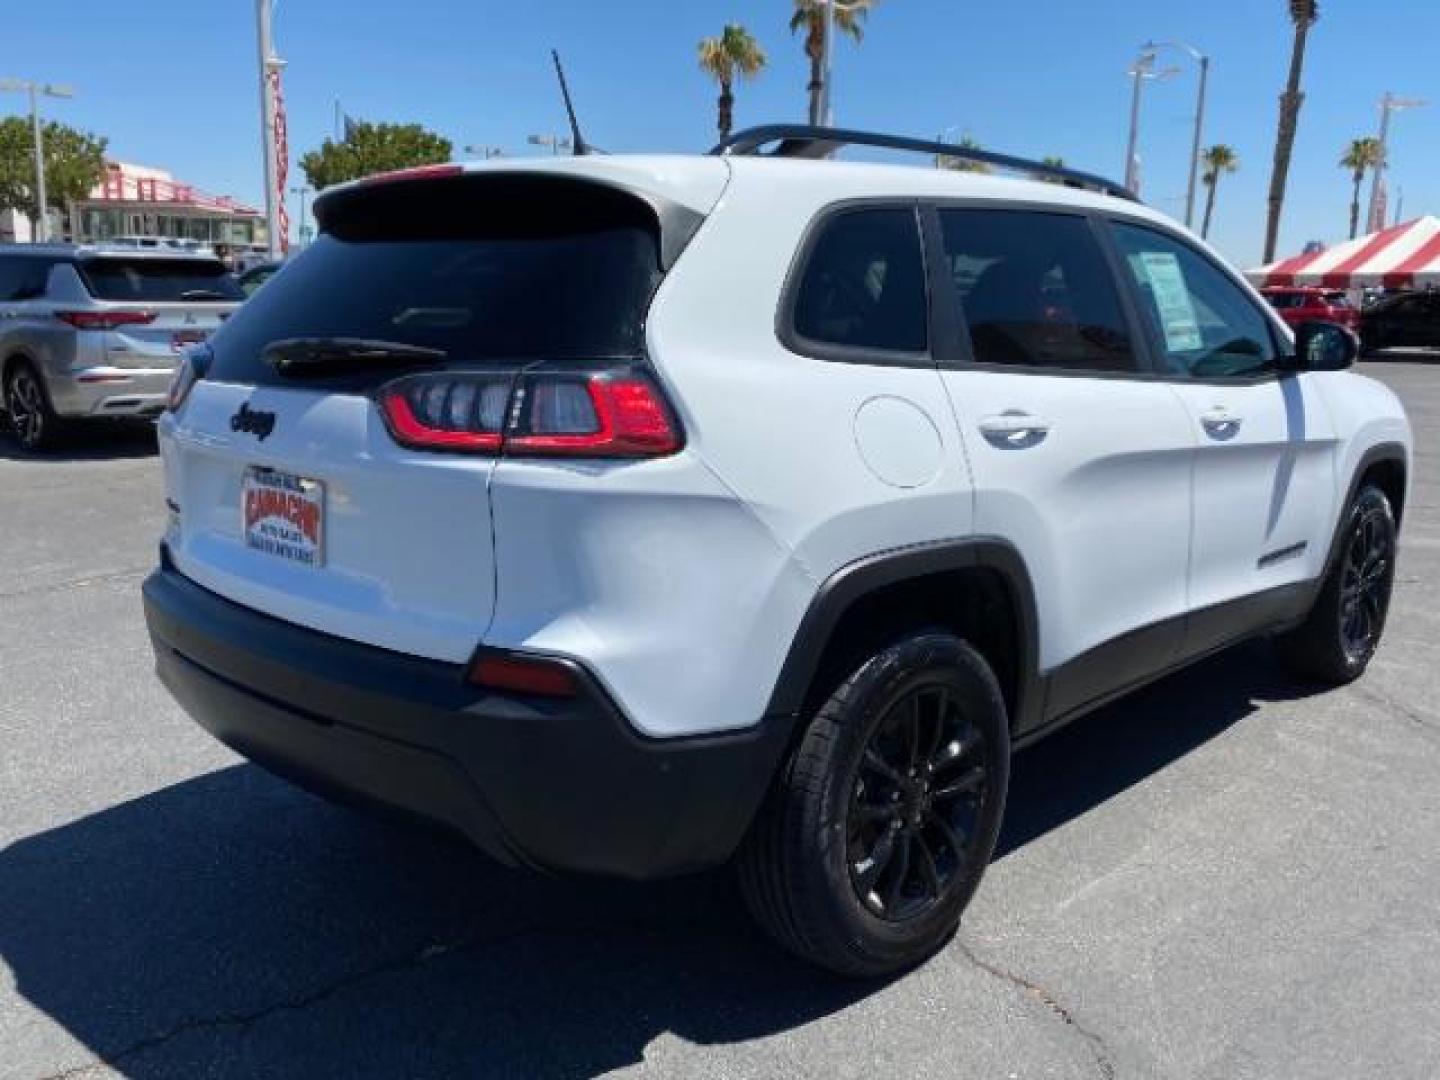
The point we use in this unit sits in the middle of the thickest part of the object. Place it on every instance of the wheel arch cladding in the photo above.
(1386, 465)
(978, 589)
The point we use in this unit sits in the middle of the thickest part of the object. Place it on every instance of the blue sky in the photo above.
(172, 82)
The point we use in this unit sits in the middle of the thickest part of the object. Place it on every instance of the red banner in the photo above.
(282, 158)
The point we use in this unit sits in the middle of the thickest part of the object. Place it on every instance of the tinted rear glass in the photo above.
(159, 280)
(493, 270)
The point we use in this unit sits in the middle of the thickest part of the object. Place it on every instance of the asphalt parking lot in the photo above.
(1223, 877)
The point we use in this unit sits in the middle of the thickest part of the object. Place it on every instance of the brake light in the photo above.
(105, 320)
(418, 172)
(562, 413)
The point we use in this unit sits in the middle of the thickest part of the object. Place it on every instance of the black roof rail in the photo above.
(809, 141)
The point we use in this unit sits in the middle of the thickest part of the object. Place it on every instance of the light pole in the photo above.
(301, 192)
(270, 67)
(1204, 62)
(555, 142)
(485, 152)
(1388, 104)
(826, 117)
(42, 219)
(1142, 69)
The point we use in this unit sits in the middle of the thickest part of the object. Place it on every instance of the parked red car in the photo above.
(1301, 304)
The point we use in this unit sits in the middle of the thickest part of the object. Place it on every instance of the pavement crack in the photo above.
(1405, 712)
(1104, 1062)
(299, 1003)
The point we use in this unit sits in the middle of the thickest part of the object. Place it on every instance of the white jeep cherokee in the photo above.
(631, 514)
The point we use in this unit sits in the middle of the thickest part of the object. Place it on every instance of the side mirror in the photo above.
(1322, 346)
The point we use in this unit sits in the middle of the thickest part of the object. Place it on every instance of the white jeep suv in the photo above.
(633, 514)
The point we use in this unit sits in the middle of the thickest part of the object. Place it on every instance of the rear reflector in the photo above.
(524, 675)
(105, 320)
(552, 413)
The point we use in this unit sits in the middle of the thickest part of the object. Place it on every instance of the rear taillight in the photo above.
(105, 320)
(191, 369)
(609, 413)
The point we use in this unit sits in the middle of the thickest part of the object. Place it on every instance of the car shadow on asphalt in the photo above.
(100, 441)
(232, 926)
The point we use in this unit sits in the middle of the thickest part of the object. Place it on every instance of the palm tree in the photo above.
(1055, 162)
(734, 53)
(809, 16)
(960, 164)
(1361, 154)
(1218, 160)
(1304, 14)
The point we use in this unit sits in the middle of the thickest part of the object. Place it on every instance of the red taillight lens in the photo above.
(524, 675)
(546, 413)
(600, 416)
(463, 413)
(105, 320)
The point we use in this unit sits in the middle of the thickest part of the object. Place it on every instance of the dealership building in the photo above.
(138, 201)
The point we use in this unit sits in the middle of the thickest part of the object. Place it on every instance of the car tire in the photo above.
(1339, 637)
(33, 420)
(884, 816)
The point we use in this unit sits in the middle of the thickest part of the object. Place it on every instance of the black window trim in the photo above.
(1105, 224)
(955, 352)
(801, 345)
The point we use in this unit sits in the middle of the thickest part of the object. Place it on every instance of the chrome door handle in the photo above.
(1220, 422)
(1014, 429)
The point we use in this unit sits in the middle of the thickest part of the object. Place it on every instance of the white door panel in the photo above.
(1095, 493)
(1264, 486)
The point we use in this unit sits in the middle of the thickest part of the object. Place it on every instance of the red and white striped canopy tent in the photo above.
(1407, 256)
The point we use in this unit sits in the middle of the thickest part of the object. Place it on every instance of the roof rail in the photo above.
(808, 141)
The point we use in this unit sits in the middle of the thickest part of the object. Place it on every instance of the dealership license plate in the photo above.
(284, 515)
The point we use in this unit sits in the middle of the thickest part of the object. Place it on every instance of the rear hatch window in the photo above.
(490, 270)
(150, 280)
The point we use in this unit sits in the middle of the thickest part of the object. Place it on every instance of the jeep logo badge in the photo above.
(256, 422)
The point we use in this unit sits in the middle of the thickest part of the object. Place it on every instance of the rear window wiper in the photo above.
(205, 294)
(304, 356)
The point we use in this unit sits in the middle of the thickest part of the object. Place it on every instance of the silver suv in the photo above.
(91, 332)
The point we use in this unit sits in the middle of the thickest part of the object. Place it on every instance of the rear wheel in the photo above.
(31, 417)
(885, 816)
(1337, 640)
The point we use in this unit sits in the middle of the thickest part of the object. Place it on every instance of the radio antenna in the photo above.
(577, 141)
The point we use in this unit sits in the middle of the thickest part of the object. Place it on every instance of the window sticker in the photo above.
(1172, 299)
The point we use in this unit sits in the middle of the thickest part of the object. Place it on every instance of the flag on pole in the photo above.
(282, 158)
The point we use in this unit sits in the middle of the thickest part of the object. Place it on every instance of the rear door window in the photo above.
(150, 280)
(862, 290)
(1036, 291)
(493, 272)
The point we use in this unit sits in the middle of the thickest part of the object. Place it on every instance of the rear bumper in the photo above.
(110, 391)
(562, 785)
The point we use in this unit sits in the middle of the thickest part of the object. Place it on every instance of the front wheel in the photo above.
(1337, 640)
(885, 815)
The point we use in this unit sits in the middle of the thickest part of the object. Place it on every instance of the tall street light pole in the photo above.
(42, 218)
(1204, 62)
(270, 65)
(1388, 104)
(827, 48)
(301, 192)
(1142, 69)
